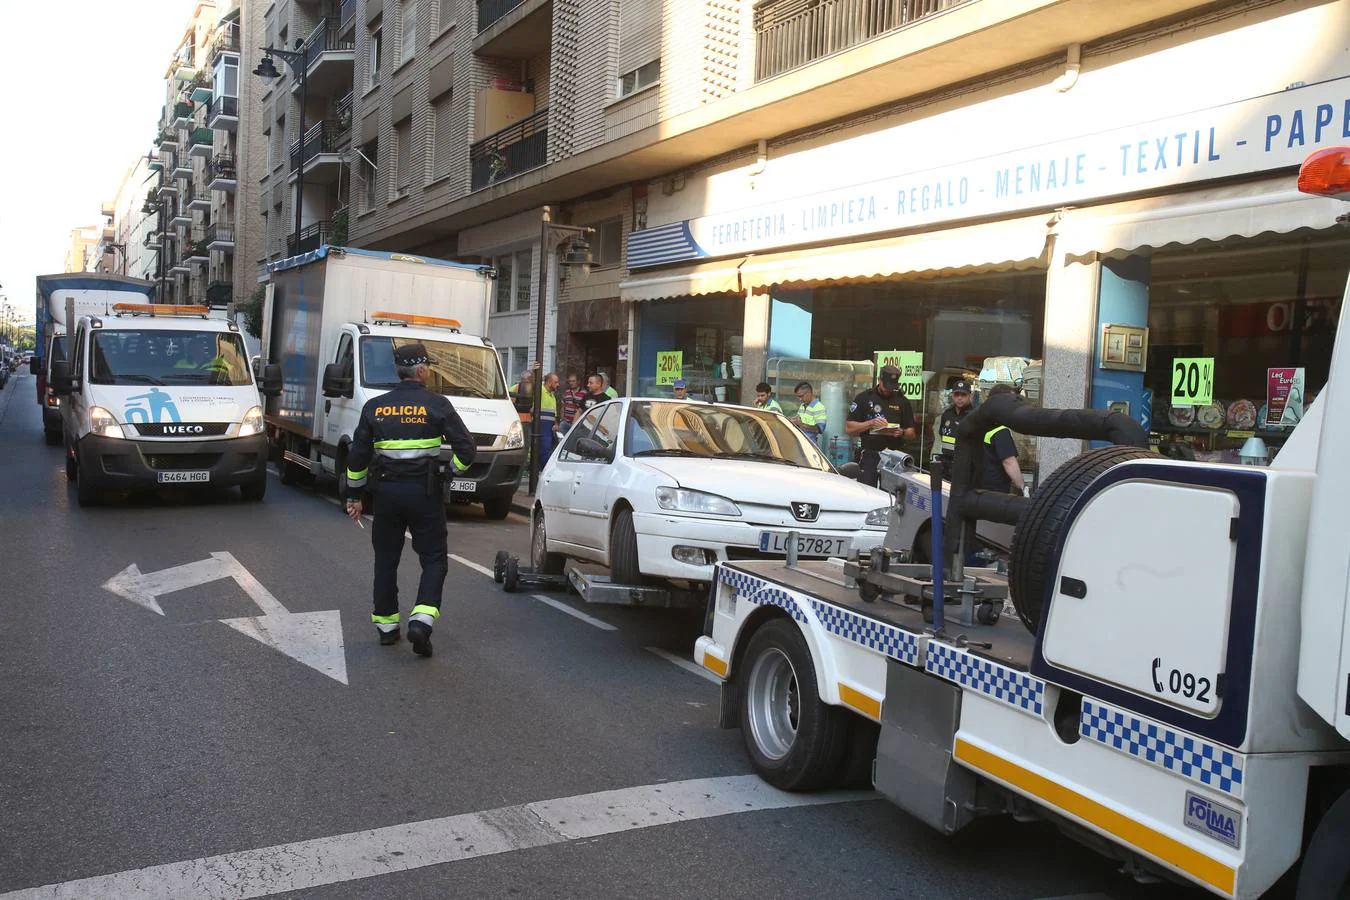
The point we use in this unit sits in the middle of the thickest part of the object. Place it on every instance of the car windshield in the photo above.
(157, 356)
(717, 432)
(457, 370)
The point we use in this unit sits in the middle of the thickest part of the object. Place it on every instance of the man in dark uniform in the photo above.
(951, 419)
(1000, 471)
(884, 418)
(399, 438)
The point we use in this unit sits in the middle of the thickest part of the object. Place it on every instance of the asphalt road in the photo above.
(141, 744)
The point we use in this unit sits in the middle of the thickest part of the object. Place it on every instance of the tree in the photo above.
(252, 310)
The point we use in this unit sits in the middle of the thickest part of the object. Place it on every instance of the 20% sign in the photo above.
(1193, 381)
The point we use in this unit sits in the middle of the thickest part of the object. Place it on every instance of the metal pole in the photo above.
(300, 169)
(541, 308)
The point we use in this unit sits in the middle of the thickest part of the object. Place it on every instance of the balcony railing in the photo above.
(347, 12)
(227, 41)
(792, 33)
(327, 36)
(223, 168)
(490, 11)
(182, 111)
(325, 137)
(311, 237)
(515, 149)
(200, 142)
(223, 106)
(217, 234)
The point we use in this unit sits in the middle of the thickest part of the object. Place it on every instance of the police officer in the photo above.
(1001, 472)
(884, 418)
(399, 437)
(951, 419)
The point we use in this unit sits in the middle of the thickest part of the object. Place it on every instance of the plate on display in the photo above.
(1242, 415)
(1211, 416)
(1181, 416)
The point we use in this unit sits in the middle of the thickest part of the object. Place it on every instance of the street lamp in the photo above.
(295, 59)
(110, 247)
(578, 256)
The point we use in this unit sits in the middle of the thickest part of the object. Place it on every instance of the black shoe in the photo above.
(419, 633)
(390, 637)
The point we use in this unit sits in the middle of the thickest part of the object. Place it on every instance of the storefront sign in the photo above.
(1284, 397)
(669, 366)
(1251, 135)
(910, 364)
(1307, 316)
(1193, 381)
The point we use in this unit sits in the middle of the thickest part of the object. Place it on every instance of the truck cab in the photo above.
(464, 368)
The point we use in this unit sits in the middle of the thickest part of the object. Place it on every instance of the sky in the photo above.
(81, 86)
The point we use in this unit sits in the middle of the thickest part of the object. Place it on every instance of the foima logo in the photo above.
(1213, 819)
(183, 429)
(805, 512)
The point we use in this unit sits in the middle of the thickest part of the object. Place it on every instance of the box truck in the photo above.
(332, 320)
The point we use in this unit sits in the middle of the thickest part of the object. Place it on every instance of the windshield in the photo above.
(457, 370)
(152, 356)
(718, 432)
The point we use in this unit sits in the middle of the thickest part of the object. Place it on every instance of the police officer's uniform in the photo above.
(896, 409)
(951, 421)
(397, 447)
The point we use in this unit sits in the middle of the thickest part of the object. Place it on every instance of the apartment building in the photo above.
(83, 253)
(130, 243)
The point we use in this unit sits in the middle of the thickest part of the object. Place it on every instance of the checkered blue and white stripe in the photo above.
(894, 642)
(758, 591)
(1186, 755)
(1017, 689)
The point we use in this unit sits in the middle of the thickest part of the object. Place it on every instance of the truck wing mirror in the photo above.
(62, 382)
(271, 380)
(337, 381)
(34, 366)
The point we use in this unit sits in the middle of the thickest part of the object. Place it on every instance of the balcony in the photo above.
(151, 204)
(167, 138)
(224, 176)
(790, 34)
(218, 292)
(182, 218)
(201, 88)
(330, 61)
(226, 41)
(200, 196)
(224, 114)
(152, 241)
(347, 14)
(178, 265)
(182, 114)
(320, 153)
(182, 166)
(515, 149)
(200, 141)
(312, 237)
(220, 237)
(169, 187)
(514, 29)
(195, 252)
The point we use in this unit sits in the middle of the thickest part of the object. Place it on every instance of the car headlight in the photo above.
(515, 436)
(102, 423)
(881, 516)
(252, 423)
(682, 500)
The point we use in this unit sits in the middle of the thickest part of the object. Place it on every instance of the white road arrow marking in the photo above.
(313, 638)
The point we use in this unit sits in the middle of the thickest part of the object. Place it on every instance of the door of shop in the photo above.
(601, 352)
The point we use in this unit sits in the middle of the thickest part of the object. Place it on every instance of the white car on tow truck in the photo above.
(663, 489)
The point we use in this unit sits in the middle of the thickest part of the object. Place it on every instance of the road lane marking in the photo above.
(684, 664)
(563, 607)
(470, 564)
(414, 845)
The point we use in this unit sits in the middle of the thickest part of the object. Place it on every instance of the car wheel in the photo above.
(290, 472)
(340, 470)
(623, 550)
(53, 438)
(72, 465)
(254, 492)
(497, 508)
(795, 742)
(541, 560)
(85, 492)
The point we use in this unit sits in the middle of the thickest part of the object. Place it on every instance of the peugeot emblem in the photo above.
(805, 512)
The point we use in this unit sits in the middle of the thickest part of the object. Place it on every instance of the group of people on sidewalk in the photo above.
(559, 406)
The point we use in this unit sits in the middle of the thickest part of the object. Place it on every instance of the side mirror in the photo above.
(62, 383)
(271, 380)
(590, 448)
(337, 381)
(33, 366)
(256, 365)
(850, 470)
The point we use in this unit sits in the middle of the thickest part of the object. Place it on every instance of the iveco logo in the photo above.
(183, 429)
(805, 512)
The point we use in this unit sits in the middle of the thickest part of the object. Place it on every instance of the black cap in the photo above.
(961, 386)
(889, 374)
(411, 355)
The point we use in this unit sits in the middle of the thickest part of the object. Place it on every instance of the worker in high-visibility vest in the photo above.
(811, 416)
(548, 417)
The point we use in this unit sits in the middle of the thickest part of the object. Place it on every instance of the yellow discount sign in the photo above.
(910, 364)
(669, 366)
(1193, 381)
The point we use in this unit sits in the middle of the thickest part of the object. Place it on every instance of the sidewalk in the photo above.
(522, 502)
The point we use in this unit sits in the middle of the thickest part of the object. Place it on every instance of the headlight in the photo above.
(515, 436)
(101, 422)
(681, 500)
(253, 422)
(881, 516)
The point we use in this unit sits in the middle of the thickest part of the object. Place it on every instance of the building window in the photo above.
(513, 281)
(518, 363)
(227, 77)
(642, 77)
(404, 171)
(368, 167)
(408, 21)
(607, 244)
(374, 48)
(443, 149)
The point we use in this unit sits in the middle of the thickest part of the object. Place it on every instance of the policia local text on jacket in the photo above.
(397, 448)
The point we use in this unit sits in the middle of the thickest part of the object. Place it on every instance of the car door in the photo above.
(557, 479)
(341, 413)
(593, 481)
(74, 406)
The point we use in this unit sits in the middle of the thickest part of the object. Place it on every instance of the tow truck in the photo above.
(1176, 693)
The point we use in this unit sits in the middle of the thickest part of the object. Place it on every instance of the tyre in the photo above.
(541, 560)
(340, 473)
(71, 465)
(254, 492)
(53, 438)
(623, 550)
(795, 742)
(511, 576)
(856, 769)
(290, 472)
(922, 551)
(1037, 537)
(1325, 871)
(86, 494)
(497, 508)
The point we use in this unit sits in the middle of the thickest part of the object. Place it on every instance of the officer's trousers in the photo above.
(403, 506)
(868, 464)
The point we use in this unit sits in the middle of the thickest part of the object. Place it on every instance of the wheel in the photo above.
(794, 741)
(1325, 871)
(85, 492)
(254, 492)
(71, 465)
(511, 576)
(53, 438)
(623, 550)
(290, 472)
(499, 565)
(988, 613)
(868, 592)
(856, 770)
(340, 471)
(922, 551)
(1037, 537)
(544, 563)
(497, 508)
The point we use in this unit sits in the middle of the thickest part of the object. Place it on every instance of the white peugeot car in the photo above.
(663, 489)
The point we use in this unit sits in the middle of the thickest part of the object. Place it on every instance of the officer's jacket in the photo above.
(400, 435)
(950, 421)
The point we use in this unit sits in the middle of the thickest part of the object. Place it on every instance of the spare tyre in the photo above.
(1043, 524)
